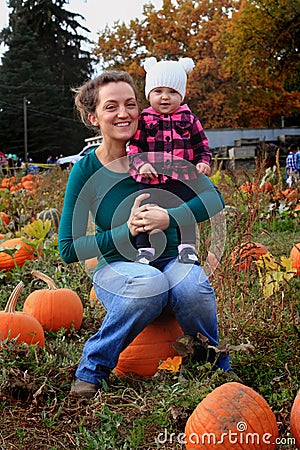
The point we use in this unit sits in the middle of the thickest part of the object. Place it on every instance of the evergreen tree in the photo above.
(56, 31)
(25, 77)
(43, 62)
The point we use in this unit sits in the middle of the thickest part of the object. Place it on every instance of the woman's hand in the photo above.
(148, 171)
(203, 168)
(147, 218)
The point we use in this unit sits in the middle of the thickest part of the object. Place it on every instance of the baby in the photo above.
(169, 150)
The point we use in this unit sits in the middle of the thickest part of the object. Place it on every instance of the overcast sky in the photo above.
(97, 14)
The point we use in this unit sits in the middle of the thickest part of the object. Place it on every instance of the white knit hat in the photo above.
(171, 74)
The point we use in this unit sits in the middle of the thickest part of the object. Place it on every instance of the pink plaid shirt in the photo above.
(172, 143)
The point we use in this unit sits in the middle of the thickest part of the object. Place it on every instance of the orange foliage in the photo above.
(238, 79)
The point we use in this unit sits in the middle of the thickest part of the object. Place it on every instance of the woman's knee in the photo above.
(148, 284)
(194, 295)
(132, 280)
(192, 284)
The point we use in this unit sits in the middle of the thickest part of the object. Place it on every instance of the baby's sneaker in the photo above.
(144, 257)
(188, 255)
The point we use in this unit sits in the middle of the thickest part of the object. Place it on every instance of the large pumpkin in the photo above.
(17, 324)
(14, 252)
(232, 416)
(295, 420)
(295, 255)
(54, 308)
(152, 345)
(243, 255)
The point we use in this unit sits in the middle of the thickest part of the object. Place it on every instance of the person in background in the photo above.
(169, 150)
(10, 165)
(19, 162)
(50, 161)
(133, 294)
(3, 163)
(292, 172)
(15, 160)
(298, 161)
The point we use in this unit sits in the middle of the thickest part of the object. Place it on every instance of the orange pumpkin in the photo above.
(295, 420)
(232, 415)
(295, 255)
(28, 185)
(243, 255)
(152, 345)
(17, 324)
(14, 252)
(248, 187)
(4, 218)
(6, 183)
(54, 308)
(15, 187)
(28, 177)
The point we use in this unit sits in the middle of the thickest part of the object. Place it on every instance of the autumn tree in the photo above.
(209, 32)
(188, 28)
(262, 44)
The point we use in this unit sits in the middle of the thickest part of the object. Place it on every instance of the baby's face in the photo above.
(164, 100)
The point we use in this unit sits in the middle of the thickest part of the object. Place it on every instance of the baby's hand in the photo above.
(203, 168)
(148, 171)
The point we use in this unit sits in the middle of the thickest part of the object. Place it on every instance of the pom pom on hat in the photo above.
(171, 74)
(187, 64)
(149, 62)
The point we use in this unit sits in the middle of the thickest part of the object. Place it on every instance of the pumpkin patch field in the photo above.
(158, 396)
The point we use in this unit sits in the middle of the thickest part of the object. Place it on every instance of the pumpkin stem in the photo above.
(12, 301)
(44, 277)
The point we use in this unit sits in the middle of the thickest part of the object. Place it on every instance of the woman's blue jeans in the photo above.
(135, 294)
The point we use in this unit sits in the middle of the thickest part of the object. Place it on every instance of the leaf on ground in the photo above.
(38, 229)
(273, 274)
(172, 364)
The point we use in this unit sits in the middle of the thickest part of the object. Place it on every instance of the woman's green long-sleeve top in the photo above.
(108, 197)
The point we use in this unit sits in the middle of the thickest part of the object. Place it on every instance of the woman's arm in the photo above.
(74, 244)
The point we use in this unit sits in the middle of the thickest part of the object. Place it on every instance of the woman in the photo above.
(133, 294)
